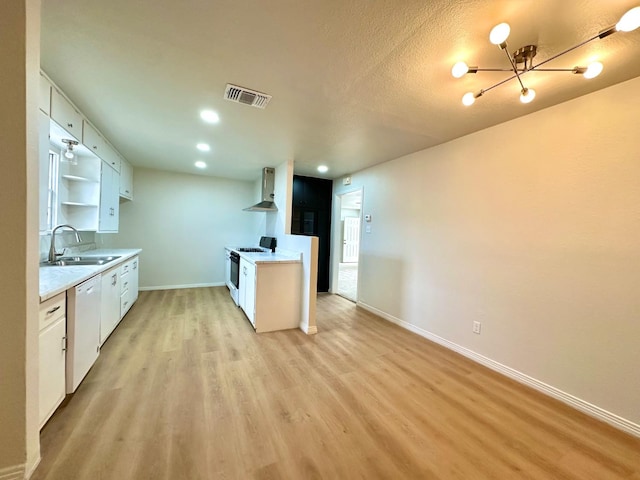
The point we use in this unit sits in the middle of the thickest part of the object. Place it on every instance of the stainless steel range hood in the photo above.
(268, 182)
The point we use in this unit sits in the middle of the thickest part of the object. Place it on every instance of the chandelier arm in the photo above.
(484, 90)
(555, 69)
(534, 67)
(499, 70)
(515, 68)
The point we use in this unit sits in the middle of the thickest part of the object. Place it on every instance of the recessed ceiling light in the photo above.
(209, 116)
(203, 147)
(200, 164)
(323, 169)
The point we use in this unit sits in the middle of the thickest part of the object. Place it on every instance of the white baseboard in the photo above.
(176, 287)
(29, 470)
(577, 403)
(15, 472)
(309, 330)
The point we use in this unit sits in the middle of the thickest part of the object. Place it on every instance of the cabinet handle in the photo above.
(114, 279)
(64, 344)
(95, 147)
(54, 309)
(127, 191)
(70, 125)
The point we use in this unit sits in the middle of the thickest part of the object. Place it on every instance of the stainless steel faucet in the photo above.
(52, 248)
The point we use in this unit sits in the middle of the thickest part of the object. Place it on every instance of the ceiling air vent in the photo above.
(246, 96)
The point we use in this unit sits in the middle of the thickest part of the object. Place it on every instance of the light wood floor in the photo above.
(184, 389)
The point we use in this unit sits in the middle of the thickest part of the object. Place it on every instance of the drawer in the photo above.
(52, 309)
(125, 303)
(124, 284)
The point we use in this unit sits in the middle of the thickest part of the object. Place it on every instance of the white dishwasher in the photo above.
(83, 330)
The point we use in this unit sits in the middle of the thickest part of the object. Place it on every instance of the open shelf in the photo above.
(75, 178)
(79, 204)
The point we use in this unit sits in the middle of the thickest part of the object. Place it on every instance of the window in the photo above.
(52, 193)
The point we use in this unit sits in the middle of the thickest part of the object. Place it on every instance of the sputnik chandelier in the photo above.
(522, 59)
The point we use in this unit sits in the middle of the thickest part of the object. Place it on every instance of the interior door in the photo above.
(350, 239)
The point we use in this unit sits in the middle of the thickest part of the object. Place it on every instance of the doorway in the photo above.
(350, 208)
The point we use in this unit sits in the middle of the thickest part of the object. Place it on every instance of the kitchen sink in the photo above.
(75, 261)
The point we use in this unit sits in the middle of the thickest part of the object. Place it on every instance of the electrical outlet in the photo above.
(476, 327)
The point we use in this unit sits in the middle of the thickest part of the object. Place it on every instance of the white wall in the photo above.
(20, 58)
(531, 227)
(182, 223)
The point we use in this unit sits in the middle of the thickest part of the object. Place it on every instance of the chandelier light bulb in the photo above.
(468, 99)
(69, 153)
(629, 21)
(593, 70)
(499, 33)
(459, 69)
(527, 95)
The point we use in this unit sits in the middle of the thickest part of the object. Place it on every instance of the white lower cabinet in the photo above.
(134, 280)
(52, 348)
(247, 289)
(128, 285)
(109, 303)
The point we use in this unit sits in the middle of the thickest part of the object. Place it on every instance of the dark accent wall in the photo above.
(311, 215)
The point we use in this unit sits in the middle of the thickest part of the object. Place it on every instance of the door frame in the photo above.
(336, 237)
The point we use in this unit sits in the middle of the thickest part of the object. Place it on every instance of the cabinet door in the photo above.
(109, 303)
(111, 157)
(250, 293)
(44, 97)
(52, 344)
(126, 179)
(65, 115)
(134, 279)
(44, 171)
(92, 139)
(242, 284)
(109, 203)
(227, 269)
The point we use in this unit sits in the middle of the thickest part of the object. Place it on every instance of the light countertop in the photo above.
(279, 256)
(54, 280)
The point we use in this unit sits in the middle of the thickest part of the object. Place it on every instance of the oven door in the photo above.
(235, 269)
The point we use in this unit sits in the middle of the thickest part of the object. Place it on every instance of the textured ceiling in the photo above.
(354, 82)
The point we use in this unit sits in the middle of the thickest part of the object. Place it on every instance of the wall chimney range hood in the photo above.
(266, 204)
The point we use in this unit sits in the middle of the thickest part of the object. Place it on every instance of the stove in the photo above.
(267, 245)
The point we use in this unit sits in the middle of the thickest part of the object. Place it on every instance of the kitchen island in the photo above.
(269, 289)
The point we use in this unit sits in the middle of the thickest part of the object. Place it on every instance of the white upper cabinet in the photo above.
(92, 139)
(109, 199)
(44, 96)
(111, 157)
(65, 115)
(126, 179)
